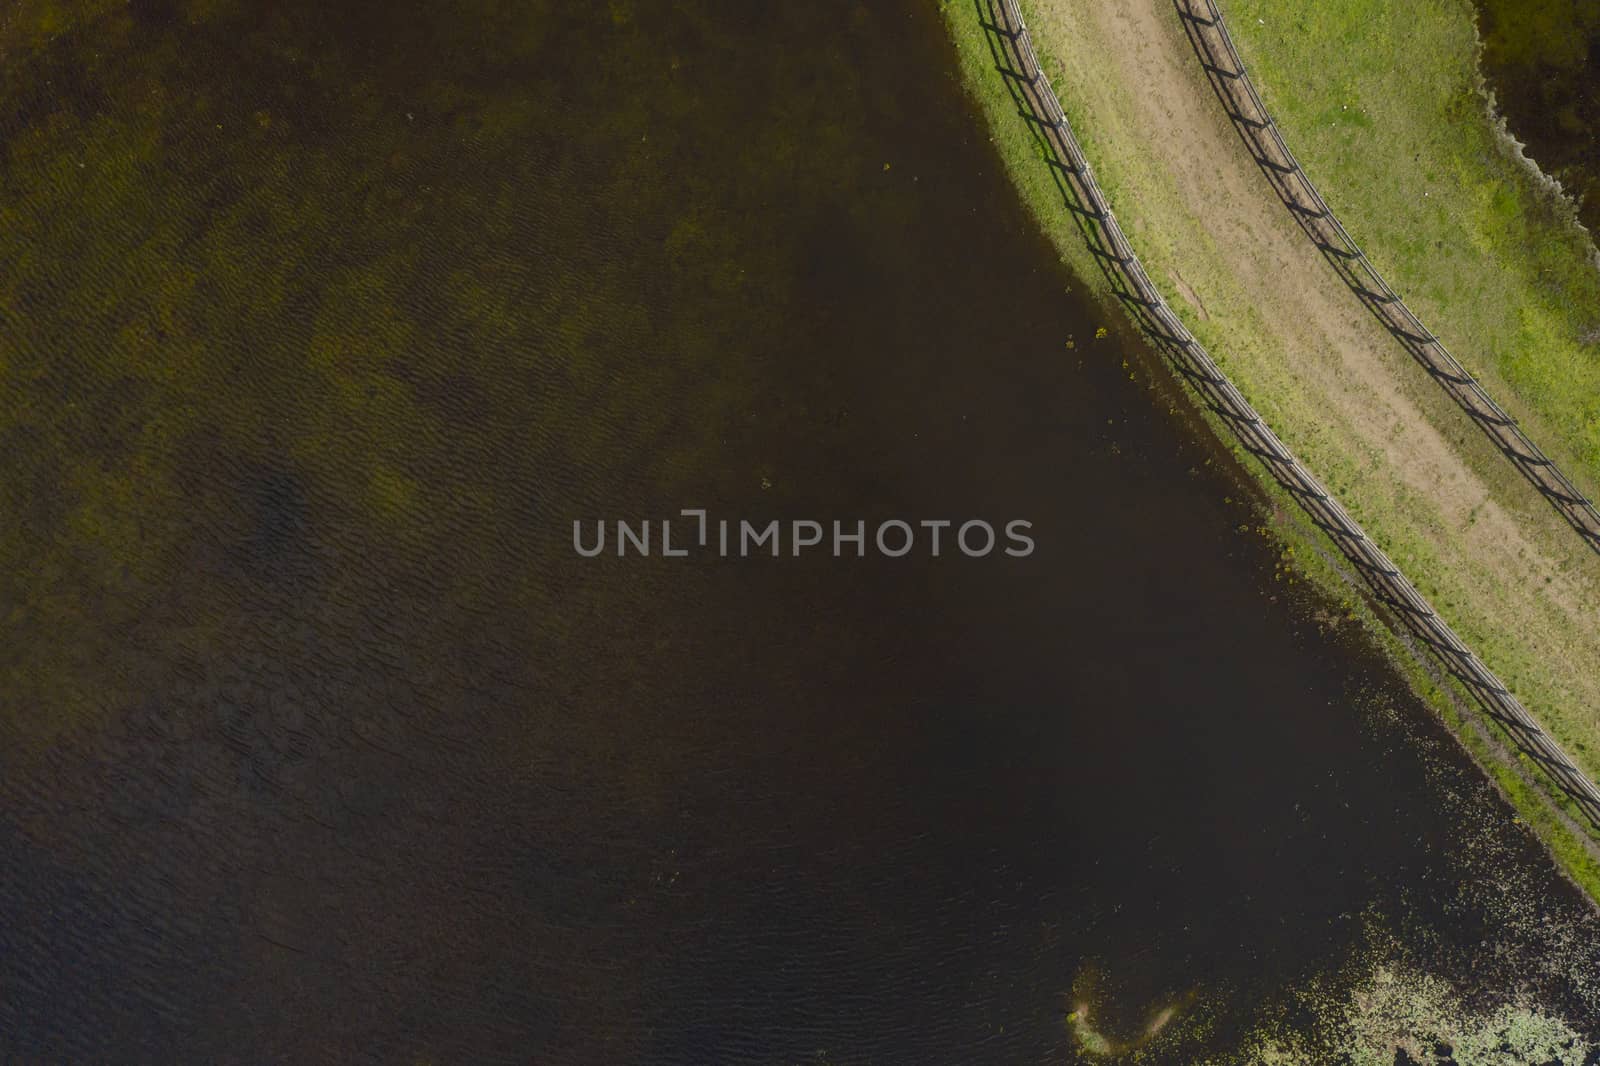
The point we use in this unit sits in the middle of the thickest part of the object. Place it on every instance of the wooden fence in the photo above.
(1014, 56)
(1213, 44)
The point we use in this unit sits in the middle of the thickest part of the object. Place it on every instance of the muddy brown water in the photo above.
(318, 743)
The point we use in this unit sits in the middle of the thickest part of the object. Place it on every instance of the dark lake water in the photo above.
(318, 743)
(1542, 58)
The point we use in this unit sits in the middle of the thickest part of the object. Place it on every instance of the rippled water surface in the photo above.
(319, 326)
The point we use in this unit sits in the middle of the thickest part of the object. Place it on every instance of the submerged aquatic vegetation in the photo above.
(273, 300)
(1395, 1012)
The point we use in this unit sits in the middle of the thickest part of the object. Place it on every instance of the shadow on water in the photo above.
(320, 744)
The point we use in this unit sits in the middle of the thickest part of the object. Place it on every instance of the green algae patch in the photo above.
(1148, 1036)
(1394, 1012)
(1377, 1007)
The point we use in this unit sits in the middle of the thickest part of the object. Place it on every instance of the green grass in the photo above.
(1380, 101)
(1541, 287)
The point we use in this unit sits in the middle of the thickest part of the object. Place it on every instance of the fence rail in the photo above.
(1213, 44)
(1014, 56)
